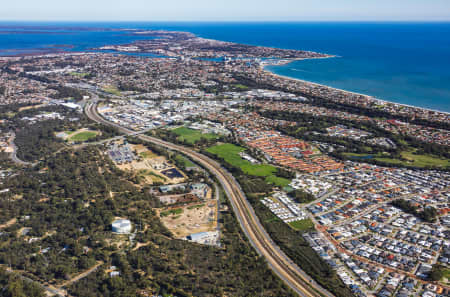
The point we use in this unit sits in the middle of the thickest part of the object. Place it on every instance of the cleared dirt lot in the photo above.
(150, 167)
(200, 217)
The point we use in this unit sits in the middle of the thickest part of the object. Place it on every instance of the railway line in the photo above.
(288, 271)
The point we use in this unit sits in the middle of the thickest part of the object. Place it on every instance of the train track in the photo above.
(288, 271)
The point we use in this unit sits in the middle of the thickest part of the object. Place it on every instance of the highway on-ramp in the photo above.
(288, 271)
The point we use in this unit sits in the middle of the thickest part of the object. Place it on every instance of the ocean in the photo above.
(407, 63)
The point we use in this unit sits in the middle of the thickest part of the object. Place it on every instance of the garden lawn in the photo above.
(302, 225)
(425, 160)
(446, 274)
(413, 159)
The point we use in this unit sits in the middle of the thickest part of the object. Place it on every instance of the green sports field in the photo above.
(83, 136)
(191, 135)
(230, 153)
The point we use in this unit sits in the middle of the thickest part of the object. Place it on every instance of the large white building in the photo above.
(121, 226)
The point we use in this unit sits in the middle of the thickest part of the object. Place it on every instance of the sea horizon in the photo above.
(405, 62)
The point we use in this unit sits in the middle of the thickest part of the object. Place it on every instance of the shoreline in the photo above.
(67, 49)
(383, 101)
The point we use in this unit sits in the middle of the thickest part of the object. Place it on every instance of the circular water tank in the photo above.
(121, 226)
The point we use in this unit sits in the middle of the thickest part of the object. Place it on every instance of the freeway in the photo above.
(14, 157)
(288, 271)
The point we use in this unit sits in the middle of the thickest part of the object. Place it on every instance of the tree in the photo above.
(437, 272)
(15, 289)
(301, 196)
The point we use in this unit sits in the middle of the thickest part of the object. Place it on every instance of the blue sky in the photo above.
(226, 10)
